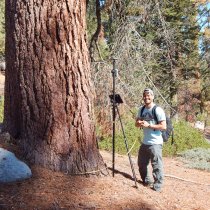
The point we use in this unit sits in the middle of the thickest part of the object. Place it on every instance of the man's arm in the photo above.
(160, 126)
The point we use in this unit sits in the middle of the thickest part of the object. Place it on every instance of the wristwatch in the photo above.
(149, 126)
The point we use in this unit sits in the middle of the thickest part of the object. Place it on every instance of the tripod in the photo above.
(115, 100)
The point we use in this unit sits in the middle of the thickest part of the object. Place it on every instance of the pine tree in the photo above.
(48, 88)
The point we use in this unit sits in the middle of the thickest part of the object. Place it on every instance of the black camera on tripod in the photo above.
(117, 98)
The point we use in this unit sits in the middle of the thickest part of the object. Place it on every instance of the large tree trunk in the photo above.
(48, 92)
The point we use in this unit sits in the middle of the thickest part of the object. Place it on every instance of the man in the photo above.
(151, 147)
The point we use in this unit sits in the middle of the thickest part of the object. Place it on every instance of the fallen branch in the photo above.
(186, 180)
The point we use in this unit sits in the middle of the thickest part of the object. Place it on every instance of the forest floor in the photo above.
(184, 188)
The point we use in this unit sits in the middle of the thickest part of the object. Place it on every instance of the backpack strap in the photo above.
(172, 136)
(154, 113)
(142, 109)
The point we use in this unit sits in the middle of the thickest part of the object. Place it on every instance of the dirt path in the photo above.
(53, 190)
(189, 190)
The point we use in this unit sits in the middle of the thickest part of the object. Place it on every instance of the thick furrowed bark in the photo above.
(48, 84)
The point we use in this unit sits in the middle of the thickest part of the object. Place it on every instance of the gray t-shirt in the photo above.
(152, 136)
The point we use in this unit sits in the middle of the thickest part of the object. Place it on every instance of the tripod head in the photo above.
(117, 97)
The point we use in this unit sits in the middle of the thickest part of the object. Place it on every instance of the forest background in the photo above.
(163, 45)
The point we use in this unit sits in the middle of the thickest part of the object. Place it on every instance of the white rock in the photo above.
(200, 125)
(12, 169)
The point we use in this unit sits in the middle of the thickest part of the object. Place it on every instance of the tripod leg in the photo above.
(113, 139)
(126, 144)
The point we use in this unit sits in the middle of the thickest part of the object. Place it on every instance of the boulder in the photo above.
(12, 169)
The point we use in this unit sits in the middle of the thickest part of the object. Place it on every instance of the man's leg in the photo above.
(157, 165)
(143, 162)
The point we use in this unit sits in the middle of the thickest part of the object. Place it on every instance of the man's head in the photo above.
(148, 91)
(148, 96)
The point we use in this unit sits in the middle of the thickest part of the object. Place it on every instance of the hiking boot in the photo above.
(157, 189)
(148, 184)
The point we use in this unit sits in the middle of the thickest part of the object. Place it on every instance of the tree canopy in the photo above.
(160, 44)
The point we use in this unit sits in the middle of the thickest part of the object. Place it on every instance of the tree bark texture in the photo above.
(48, 92)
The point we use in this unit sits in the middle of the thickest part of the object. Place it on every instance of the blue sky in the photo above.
(204, 18)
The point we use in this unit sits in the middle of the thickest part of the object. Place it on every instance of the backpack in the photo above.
(169, 126)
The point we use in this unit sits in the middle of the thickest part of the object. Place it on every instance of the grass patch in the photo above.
(185, 138)
(132, 135)
(198, 158)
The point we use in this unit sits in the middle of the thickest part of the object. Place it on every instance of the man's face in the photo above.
(148, 98)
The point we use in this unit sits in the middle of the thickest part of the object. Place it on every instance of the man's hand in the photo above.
(142, 123)
(139, 123)
(145, 124)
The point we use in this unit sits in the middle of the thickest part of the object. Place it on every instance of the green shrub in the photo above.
(198, 158)
(185, 137)
(132, 134)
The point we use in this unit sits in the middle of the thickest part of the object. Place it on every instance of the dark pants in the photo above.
(151, 153)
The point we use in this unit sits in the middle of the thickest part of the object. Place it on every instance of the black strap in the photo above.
(154, 115)
(142, 109)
